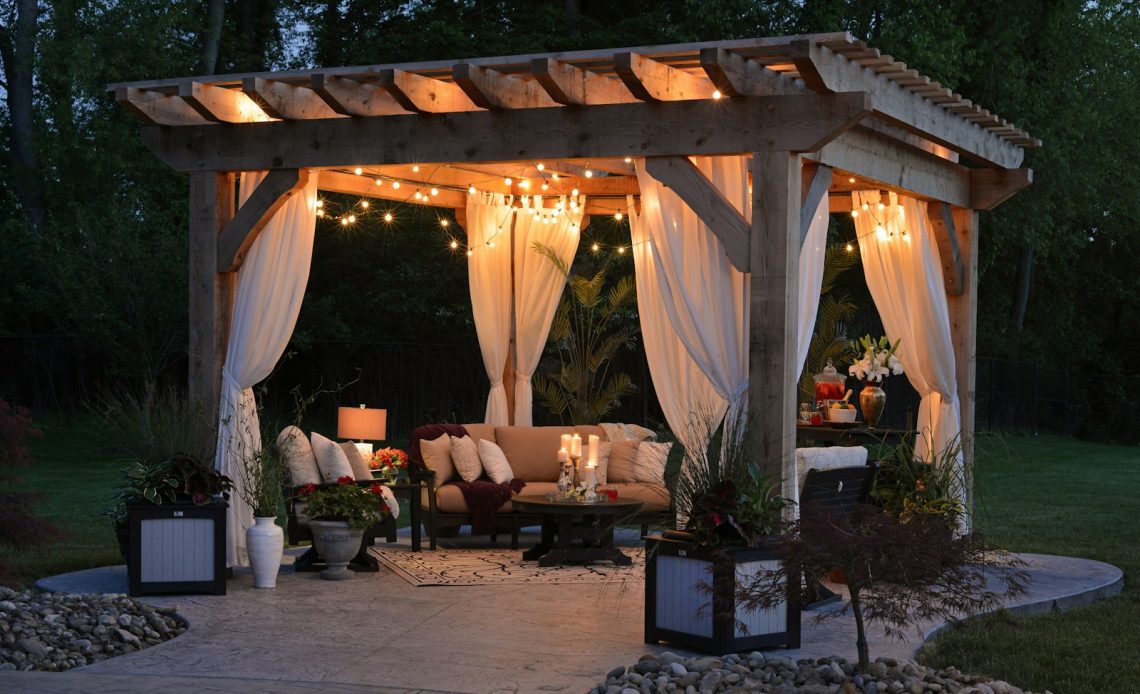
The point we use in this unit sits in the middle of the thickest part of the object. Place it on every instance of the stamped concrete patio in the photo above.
(378, 633)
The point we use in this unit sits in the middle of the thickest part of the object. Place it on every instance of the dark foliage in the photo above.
(900, 575)
(19, 526)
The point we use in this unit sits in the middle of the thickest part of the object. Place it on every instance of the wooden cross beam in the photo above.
(991, 187)
(221, 105)
(574, 86)
(940, 216)
(796, 122)
(156, 108)
(493, 90)
(420, 94)
(351, 97)
(269, 196)
(650, 80)
(287, 101)
(718, 214)
(813, 193)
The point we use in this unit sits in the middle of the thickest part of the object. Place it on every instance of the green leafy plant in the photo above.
(590, 327)
(177, 479)
(908, 486)
(345, 501)
(263, 475)
(720, 488)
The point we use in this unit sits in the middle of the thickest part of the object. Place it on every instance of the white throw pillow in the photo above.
(604, 451)
(297, 454)
(330, 459)
(437, 457)
(465, 455)
(495, 462)
(650, 464)
(360, 469)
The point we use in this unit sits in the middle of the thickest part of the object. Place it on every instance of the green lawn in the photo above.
(1046, 494)
(1057, 496)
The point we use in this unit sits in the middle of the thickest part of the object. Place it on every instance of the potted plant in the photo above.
(732, 531)
(874, 361)
(908, 486)
(389, 463)
(151, 517)
(340, 514)
(262, 475)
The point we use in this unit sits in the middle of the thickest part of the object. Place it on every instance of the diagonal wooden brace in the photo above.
(239, 234)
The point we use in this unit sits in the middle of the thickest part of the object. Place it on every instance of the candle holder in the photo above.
(574, 460)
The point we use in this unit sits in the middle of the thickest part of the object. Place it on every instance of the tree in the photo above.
(17, 54)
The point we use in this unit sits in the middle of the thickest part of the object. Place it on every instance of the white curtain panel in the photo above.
(270, 288)
(538, 285)
(687, 397)
(904, 275)
(812, 255)
(704, 296)
(489, 278)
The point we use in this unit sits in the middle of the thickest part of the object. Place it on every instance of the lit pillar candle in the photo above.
(592, 449)
(563, 455)
(591, 477)
(566, 442)
(575, 446)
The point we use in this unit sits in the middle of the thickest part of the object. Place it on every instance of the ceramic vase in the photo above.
(872, 400)
(265, 541)
(337, 543)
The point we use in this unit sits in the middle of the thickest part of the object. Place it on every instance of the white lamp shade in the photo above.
(361, 423)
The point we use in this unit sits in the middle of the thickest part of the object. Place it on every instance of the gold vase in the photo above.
(872, 400)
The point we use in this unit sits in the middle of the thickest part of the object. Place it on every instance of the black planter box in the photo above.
(177, 548)
(683, 583)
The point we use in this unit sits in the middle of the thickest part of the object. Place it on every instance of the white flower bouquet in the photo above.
(875, 359)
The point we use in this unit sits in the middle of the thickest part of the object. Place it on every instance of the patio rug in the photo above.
(481, 567)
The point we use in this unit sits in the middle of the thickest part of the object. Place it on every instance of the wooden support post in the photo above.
(772, 350)
(963, 309)
(211, 300)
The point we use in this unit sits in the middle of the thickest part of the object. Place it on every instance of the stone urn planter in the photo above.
(337, 543)
(265, 541)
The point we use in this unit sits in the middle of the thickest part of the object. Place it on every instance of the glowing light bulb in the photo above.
(507, 181)
(851, 180)
(866, 206)
(358, 171)
(629, 160)
(435, 191)
(365, 204)
(444, 223)
(716, 94)
(574, 193)
(454, 245)
(573, 204)
(352, 219)
(540, 166)
(490, 244)
(471, 190)
(618, 216)
(320, 213)
(388, 217)
(621, 250)
(396, 185)
(415, 168)
(319, 203)
(595, 248)
(379, 181)
(525, 185)
(418, 195)
(573, 227)
(854, 213)
(545, 186)
(344, 221)
(848, 248)
(589, 173)
(882, 206)
(554, 177)
(470, 253)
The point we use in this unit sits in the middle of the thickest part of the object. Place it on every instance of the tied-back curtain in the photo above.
(904, 275)
(812, 256)
(270, 288)
(684, 392)
(704, 296)
(539, 284)
(489, 278)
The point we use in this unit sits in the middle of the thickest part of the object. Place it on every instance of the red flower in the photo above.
(383, 507)
(307, 489)
(200, 498)
(347, 479)
(377, 489)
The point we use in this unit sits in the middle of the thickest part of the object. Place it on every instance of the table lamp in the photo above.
(362, 423)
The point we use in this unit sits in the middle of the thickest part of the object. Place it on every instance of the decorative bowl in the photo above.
(846, 415)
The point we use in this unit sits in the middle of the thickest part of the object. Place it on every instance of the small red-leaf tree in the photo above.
(899, 574)
(19, 527)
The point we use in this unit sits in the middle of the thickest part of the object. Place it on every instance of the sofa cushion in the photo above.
(654, 496)
(297, 454)
(532, 451)
(495, 463)
(649, 466)
(584, 430)
(436, 455)
(465, 456)
(622, 462)
(360, 469)
(481, 432)
(330, 459)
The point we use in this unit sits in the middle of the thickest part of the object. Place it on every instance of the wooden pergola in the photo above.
(819, 114)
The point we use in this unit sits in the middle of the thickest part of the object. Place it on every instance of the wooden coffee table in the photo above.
(576, 532)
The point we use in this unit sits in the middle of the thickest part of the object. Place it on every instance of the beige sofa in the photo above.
(533, 456)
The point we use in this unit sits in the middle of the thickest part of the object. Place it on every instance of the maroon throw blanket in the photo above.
(483, 498)
(429, 432)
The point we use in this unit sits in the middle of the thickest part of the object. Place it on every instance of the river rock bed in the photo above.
(59, 631)
(757, 672)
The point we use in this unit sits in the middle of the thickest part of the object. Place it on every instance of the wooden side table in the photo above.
(412, 492)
